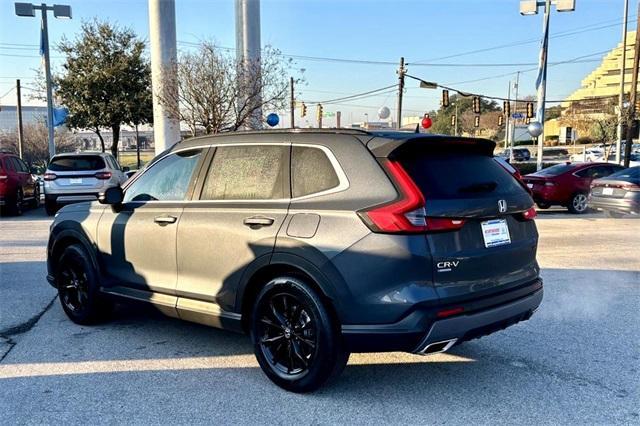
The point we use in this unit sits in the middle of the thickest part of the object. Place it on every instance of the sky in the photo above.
(434, 36)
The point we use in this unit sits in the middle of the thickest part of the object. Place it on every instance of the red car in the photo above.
(567, 184)
(17, 186)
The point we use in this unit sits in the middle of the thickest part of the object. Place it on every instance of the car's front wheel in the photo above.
(77, 283)
(296, 341)
(578, 203)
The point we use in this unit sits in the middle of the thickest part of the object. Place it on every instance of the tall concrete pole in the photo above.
(19, 111)
(164, 58)
(401, 73)
(47, 73)
(248, 55)
(633, 97)
(542, 81)
(623, 66)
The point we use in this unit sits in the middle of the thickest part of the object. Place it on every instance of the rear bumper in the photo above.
(623, 205)
(421, 328)
(67, 198)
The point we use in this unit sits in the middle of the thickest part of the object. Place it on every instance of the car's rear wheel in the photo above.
(578, 204)
(15, 206)
(50, 206)
(77, 283)
(543, 206)
(35, 203)
(296, 341)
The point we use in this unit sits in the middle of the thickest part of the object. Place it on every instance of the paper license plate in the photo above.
(607, 191)
(75, 181)
(495, 232)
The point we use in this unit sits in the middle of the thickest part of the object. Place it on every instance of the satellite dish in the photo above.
(384, 113)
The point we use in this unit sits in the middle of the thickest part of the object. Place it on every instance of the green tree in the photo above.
(106, 80)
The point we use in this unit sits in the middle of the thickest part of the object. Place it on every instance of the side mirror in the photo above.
(125, 169)
(112, 196)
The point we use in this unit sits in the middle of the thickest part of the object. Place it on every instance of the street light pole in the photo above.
(623, 67)
(59, 11)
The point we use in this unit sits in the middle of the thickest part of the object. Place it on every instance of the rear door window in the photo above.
(249, 172)
(311, 171)
(455, 176)
(79, 163)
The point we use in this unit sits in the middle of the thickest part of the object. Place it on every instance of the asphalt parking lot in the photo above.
(576, 361)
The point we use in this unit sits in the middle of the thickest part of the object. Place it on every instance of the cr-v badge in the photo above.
(447, 266)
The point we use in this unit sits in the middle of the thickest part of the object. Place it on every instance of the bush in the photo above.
(526, 168)
(585, 140)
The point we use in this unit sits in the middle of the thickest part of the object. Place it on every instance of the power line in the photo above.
(355, 96)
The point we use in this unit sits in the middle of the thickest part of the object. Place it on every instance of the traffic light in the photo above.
(453, 120)
(476, 121)
(500, 120)
(476, 104)
(445, 98)
(527, 121)
(303, 110)
(506, 108)
(529, 109)
(319, 112)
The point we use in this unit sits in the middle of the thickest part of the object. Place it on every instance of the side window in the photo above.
(167, 180)
(249, 172)
(114, 163)
(16, 164)
(8, 164)
(23, 165)
(600, 171)
(311, 171)
(584, 173)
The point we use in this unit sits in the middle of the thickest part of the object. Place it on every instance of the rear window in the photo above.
(70, 163)
(556, 170)
(449, 176)
(631, 174)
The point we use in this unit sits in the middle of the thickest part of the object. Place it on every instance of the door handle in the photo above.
(256, 222)
(165, 220)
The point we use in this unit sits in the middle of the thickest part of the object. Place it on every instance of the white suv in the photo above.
(77, 177)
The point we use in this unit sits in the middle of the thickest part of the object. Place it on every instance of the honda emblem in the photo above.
(502, 206)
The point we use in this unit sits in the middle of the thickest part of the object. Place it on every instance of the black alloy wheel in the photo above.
(288, 336)
(297, 342)
(77, 284)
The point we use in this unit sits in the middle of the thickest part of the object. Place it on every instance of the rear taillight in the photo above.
(103, 175)
(632, 188)
(529, 214)
(450, 312)
(50, 176)
(407, 214)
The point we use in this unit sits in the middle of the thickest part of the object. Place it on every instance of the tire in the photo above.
(543, 206)
(296, 341)
(578, 203)
(50, 206)
(16, 206)
(35, 203)
(78, 289)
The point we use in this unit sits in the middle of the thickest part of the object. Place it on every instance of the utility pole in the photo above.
(19, 111)
(162, 40)
(401, 73)
(338, 116)
(623, 67)
(541, 82)
(293, 104)
(455, 128)
(507, 119)
(137, 147)
(515, 108)
(634, 95)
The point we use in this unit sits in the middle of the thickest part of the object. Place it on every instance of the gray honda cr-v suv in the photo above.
(316, 243)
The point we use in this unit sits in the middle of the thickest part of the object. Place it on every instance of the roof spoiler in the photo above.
(392, 146)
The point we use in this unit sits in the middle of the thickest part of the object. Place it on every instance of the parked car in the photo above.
(18, 188)
(519, 154)
(555, 154)
(590, 155)
(618, 193)
(316, 243)
(567, 184)
(78, 177)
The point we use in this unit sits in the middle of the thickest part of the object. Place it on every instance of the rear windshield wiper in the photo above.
(479, 187)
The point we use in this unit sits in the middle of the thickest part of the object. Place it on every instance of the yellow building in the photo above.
(605, 79)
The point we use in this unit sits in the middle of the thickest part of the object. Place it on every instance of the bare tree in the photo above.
(34, 143)
(210, 96)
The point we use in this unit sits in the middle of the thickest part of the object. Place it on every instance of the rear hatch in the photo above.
(82, 173)
(490, 244)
